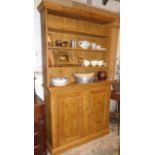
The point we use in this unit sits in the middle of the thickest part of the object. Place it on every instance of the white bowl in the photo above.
(84, 44)
(86, 63)
(59, 80)
(100, 63)
(84, 79)
(98, 47)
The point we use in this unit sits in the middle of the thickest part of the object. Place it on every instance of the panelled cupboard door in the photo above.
(69, 117)
(98, 110)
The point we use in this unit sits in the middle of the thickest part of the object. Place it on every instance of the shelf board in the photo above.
(77, 32)
(73, 83)
(82, 67)
(76, 49)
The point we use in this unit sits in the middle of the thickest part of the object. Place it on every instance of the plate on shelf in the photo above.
(59, 81)
(60, 84)
(102, 49)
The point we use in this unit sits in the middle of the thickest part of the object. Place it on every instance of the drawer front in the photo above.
(37, 150)
(36, 138)
(36, 127)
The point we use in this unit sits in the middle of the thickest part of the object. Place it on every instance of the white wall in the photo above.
(84, 1)
(117, 67)
(37, 39)
(112, 5)
(38, 52)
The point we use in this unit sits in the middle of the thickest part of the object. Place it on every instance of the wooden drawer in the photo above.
(39, 129)
(37, 150)
(36, 127)
(36, 139)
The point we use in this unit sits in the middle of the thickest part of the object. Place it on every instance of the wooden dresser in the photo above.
(76, 113)
(39, 127)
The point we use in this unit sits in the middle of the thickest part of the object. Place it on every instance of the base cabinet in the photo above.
(78, 116)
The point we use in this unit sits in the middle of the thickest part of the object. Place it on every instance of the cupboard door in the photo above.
(69, 117)
(99, 110)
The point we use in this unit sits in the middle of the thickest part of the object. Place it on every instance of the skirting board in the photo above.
(57, 151)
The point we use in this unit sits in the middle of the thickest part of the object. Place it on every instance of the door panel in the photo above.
(69, 116)
(98, 110)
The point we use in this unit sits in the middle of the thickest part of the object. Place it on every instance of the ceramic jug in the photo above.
(102, 75)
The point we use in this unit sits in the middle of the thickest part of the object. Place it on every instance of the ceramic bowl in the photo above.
(84, 44)
(84, 74)
(59, 80)
(84, 79)
(100, 63)
(86, 63)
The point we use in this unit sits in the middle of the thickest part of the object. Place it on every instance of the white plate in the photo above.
(102, 49)
(59, 80)
(59, 84)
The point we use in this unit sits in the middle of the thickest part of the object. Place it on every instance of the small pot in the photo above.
(58, 43)
(64, 44)
(102, 75)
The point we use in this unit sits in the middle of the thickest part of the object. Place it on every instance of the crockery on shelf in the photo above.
(59, 81)
(64, 44)
(102, 75)
(73, 44)
(84, 44)
(58, 43)
(100, 62)
(86, 63)
(102, 49)
(93, 45)
(84, 74)
(98, 47)
(84, 77)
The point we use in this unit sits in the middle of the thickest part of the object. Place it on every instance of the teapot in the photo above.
(86, 63)
(84, 44)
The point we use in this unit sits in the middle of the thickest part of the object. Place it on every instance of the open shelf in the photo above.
(77, 32)
(78, 49)
(82, 67)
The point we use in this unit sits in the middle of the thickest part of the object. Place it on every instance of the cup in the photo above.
(73, 44)
(93, 46)
(98, 47)
(100, 63)
(84, 44)
(64, 44)
(86, 63)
